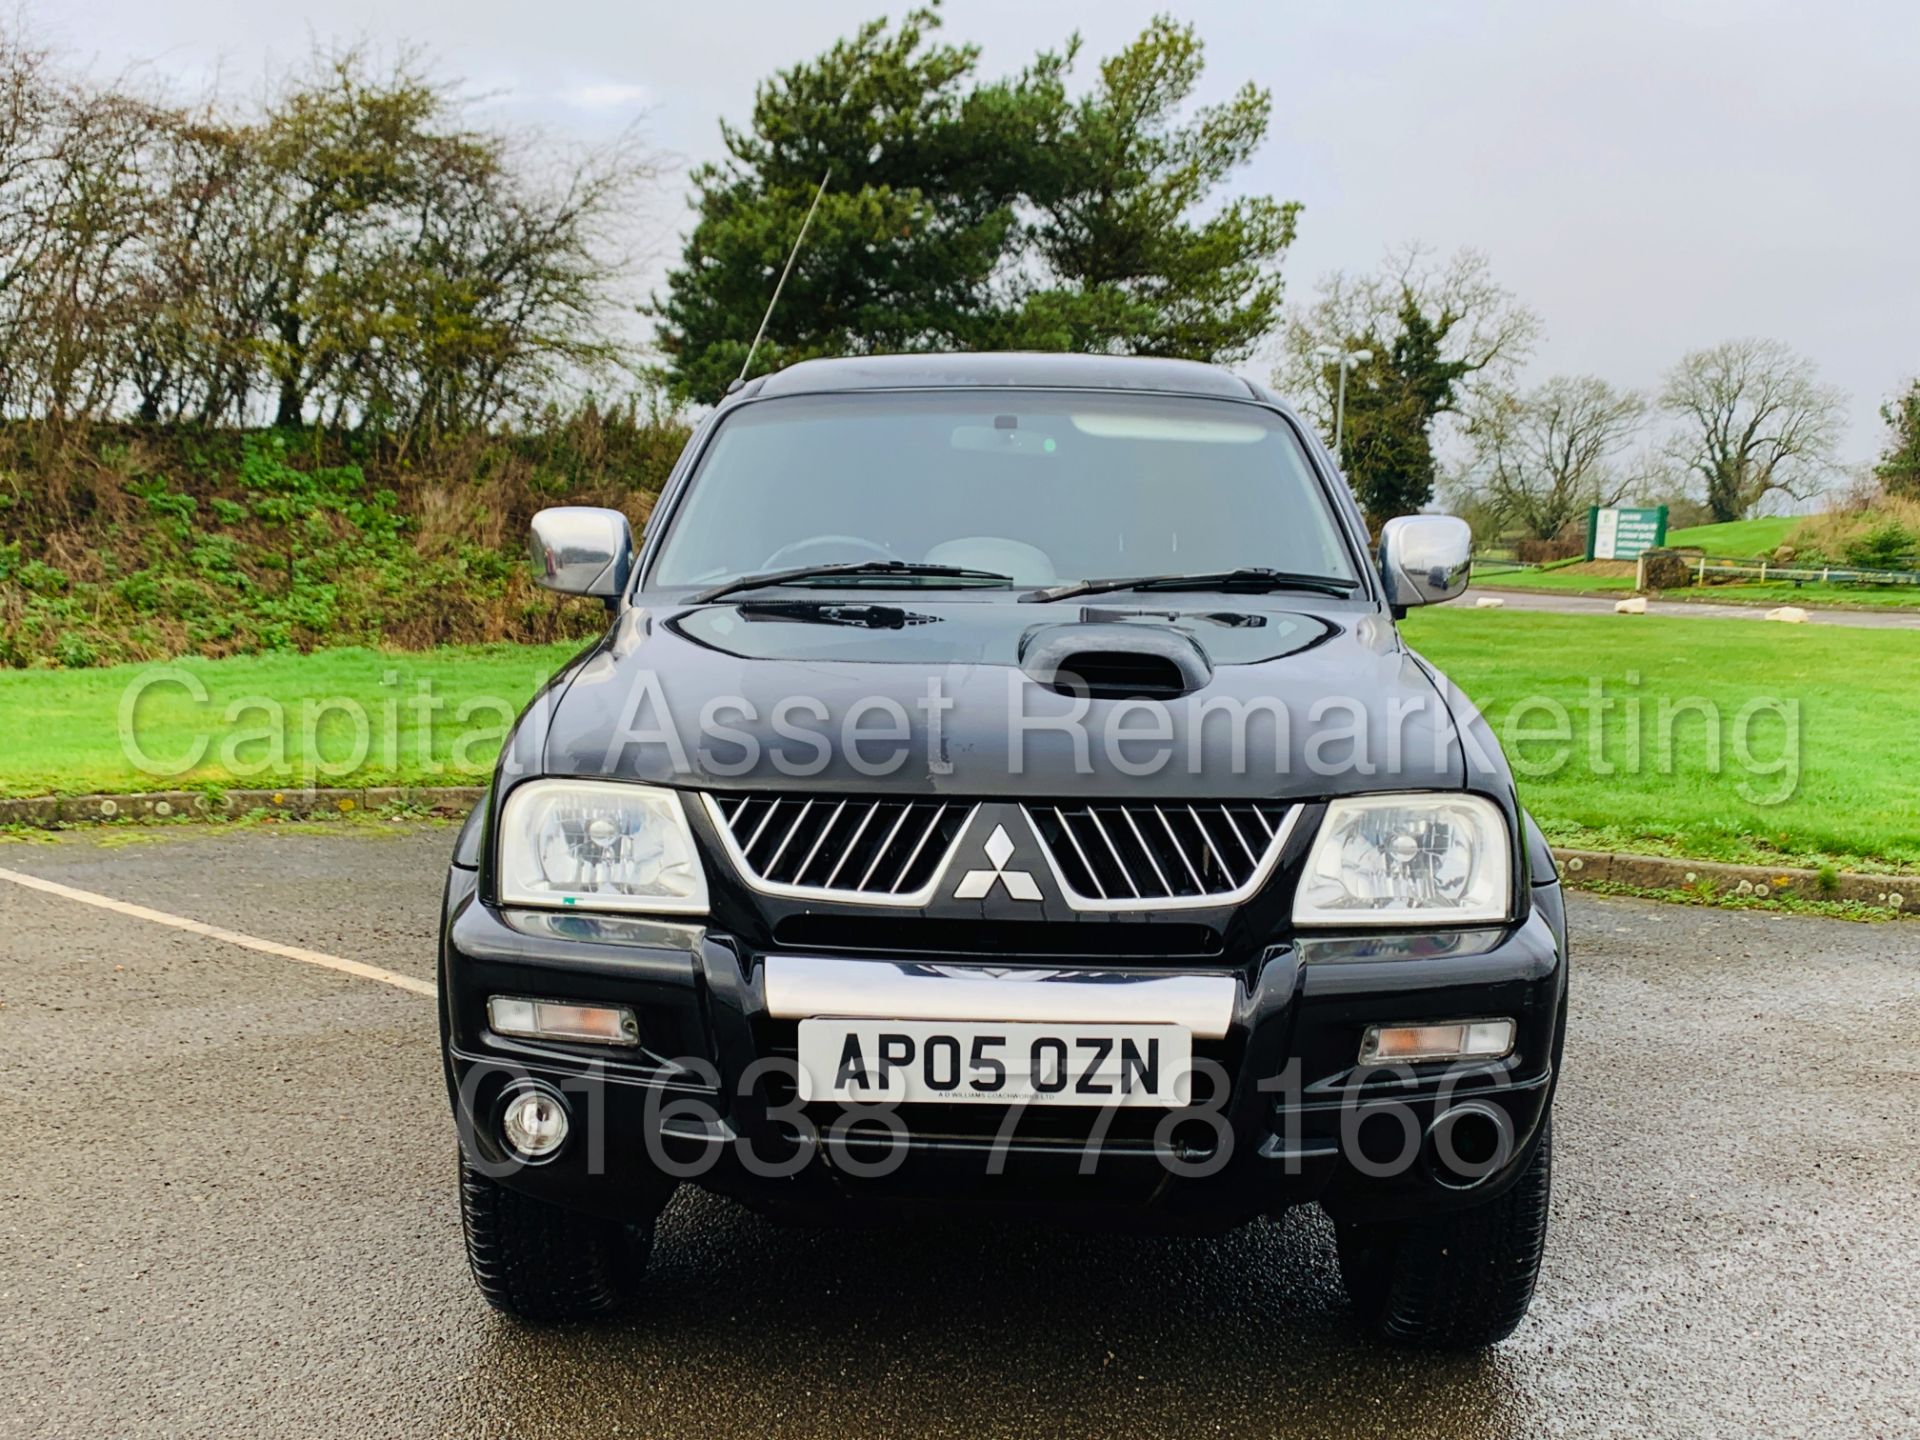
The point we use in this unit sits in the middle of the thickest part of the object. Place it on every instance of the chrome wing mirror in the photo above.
(582, 550)
(1425, 559)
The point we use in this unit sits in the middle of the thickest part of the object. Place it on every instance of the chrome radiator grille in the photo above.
(1141, 854)
(874, 851)
(1130, 855)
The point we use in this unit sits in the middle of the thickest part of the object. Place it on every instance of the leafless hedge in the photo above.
(347, 250)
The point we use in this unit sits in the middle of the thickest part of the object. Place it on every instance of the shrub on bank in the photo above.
(124, 542)
(1880, 533)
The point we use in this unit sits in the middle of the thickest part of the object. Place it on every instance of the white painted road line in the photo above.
(320, 958)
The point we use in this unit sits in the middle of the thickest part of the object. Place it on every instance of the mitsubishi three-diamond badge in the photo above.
(977, 884)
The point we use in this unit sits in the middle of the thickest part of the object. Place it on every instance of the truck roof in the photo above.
(1009, 370)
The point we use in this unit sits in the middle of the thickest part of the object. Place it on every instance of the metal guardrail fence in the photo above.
(1707, 568)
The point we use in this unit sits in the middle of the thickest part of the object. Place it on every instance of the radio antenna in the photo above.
(792, 255)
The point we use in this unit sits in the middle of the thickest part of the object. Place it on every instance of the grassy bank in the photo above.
(1739, 537)
(1812, 592)
(124, 542)
(1791, 746)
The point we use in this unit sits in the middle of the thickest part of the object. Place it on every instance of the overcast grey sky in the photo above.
(1651, 177)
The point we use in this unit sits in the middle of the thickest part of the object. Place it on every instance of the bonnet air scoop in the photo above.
(1115, 661)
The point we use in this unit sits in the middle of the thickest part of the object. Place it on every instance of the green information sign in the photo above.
(1617, 532)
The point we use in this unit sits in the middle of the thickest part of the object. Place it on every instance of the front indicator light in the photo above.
(562, 1020)
(1467, 1040)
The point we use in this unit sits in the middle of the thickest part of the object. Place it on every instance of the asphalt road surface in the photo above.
(228, 1209)
(1558, 604)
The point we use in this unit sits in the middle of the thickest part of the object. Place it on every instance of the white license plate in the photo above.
(978, 1062)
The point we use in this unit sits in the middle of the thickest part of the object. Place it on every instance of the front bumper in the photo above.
(705, 1097)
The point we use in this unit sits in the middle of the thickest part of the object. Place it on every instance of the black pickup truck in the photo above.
(1002, 787)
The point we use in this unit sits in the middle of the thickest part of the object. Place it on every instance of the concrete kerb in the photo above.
(1588, 868)
(56, 810)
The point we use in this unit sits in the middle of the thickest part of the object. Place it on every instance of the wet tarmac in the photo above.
(227, 1208)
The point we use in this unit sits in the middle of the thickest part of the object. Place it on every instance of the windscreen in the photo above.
(1044, 487)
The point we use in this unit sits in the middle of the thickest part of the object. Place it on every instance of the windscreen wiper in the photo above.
(854, 569)
(1248, 578)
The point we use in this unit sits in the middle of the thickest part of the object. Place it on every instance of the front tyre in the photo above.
(539, 1262)
(1457, 1281)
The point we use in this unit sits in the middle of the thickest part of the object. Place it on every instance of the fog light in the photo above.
(560, 1020)
(534, 1123)
(1466, 1040)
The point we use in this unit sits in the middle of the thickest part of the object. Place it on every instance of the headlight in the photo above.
(599, 846)
(1401, 859)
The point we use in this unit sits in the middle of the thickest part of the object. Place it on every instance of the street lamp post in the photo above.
(1347, 360)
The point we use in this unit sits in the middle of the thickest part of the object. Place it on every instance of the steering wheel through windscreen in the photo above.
(826, 550)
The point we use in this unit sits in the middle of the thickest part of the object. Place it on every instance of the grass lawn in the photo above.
(1840, 785)
(1738, 538)
(1812, 592)
(432, 717)
(1572, 580)
(1851, 792)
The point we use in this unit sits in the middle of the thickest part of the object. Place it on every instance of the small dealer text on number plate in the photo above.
(979, 1062)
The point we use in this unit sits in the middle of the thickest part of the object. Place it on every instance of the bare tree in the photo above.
(1753, 420)
(424, 274)
(1541, 459)
(204, 277)
(29, 139)
(1484, 332)
(85, 292)
(499, 290)
(1437, 333)
(353, 251)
